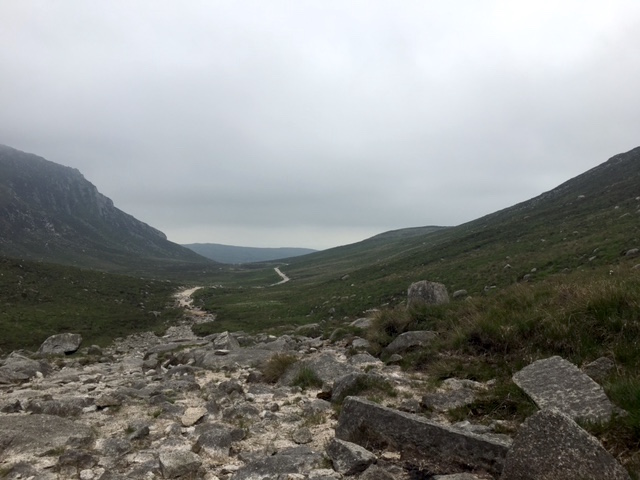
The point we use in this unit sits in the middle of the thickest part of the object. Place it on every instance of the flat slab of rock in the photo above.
(38, 434)
(60, 344)
(557, 383)
(443, 448)
(552, 446)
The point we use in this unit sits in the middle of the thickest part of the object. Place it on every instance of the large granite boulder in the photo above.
(557, 383)
(444, 448)
(551, 446)
(17, 368)
(427, 292)
(61, 344)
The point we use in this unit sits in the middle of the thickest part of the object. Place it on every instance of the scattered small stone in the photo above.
(192, 416)
(302, 436)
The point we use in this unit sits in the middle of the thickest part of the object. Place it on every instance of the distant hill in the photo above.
(235, 255)
(50, 212)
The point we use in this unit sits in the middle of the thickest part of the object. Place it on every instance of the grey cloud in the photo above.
(295, 123)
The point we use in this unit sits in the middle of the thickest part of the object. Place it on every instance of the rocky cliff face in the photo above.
(51, 212)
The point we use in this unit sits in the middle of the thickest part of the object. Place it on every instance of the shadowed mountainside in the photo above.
(50, 212)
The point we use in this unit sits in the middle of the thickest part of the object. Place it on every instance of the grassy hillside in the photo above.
(38, 300)
(585, 224)
(556, 275)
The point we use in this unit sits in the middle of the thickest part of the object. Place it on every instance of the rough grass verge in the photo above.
(275, 367)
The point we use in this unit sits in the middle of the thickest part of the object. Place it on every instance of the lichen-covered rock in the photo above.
(551, 446)
(432, 293)
(557, 383)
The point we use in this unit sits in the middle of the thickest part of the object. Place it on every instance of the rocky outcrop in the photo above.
(552, 446)
(556, 383)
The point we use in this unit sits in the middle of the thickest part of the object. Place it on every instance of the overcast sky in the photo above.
(319, 123)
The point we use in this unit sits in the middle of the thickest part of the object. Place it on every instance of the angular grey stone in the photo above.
(346, 385)
(225, 341)
(38, 434)
(178, 463)
(60, 344)
(18, 368)
(410, 340)
(70, 407)
(556, 383)
(374, 472)
(349, 458)
(216, 439)
(302, 435)
(599, 368)
(422, 292)
(192, 415)
(288, 461)
(551, 446)
(368, 423)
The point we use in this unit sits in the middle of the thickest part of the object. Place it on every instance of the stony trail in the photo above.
(180, 406)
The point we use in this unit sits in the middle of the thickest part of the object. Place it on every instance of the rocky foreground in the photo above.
(201, 408)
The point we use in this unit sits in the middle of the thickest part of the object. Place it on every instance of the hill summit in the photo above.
(50, 212)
